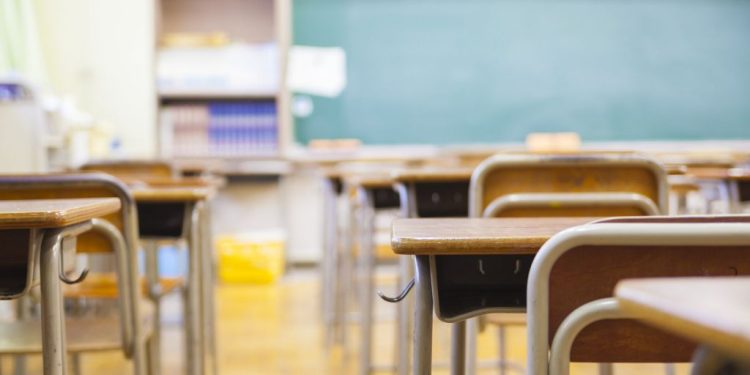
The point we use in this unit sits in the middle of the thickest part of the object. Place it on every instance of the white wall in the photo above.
(101, 53)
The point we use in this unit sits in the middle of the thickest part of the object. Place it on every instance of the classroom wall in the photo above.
(101, 53)
(447, 71)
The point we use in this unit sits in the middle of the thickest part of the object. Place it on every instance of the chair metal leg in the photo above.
(576, 321)
(53, 327)
(422, 337)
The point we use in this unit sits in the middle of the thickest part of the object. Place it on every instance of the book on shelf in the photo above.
(220, 129)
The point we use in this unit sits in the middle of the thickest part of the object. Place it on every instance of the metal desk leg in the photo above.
(53, 317)
(346, 276)
(406, 196)
(403, 323)
(151, 249)
(22, 312)
(472, 333)
(193, 319)
(367, 258)
(209, 295)
(329, 274)
(708, 361)
(458, 348)
(422, 318)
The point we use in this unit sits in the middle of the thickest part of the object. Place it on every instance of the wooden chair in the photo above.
(574, 275)
(519, 185)
(151, 172)
(137, 318)
(153, 228)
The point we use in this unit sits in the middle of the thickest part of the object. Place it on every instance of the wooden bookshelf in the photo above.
(250, 22)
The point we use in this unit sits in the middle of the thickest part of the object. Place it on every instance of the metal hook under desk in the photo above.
(65, 278)
(400, 296)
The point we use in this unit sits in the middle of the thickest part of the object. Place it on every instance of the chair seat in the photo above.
(105, 286)
(506, 319)
(82, 334)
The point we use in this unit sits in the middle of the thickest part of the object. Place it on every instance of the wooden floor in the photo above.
(275, 329)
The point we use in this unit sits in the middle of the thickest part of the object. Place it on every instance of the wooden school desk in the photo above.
(733, 184)
(373, 191)
(175, 212)
(425, 192)
(39, 227)
(456, 268)
(710, 311)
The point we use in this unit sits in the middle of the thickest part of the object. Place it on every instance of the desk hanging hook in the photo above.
(64, 278)
(400, 296)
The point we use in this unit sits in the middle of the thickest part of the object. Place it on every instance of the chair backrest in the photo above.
(584, 264)
(130, 170)
(516, 185)
(82, 185)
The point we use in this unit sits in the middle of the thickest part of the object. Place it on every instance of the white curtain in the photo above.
(20, 52)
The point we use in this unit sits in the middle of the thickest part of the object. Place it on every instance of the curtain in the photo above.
(20, 51)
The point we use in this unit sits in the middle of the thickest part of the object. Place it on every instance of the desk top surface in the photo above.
(171, 193)
(433, 174)
(709, 310)
(189, 182)
(736, 174)
(53, 213)
(369, 180)
(463, 236)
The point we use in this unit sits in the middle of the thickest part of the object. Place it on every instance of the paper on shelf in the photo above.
(317, 70)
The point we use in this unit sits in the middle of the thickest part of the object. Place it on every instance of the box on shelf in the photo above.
(239, 68)
(251, 258)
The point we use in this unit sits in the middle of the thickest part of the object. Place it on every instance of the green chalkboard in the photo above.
(439, 71)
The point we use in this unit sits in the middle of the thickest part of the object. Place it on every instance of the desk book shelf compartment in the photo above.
(469, 285)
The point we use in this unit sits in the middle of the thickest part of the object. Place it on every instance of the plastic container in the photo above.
(251, 258)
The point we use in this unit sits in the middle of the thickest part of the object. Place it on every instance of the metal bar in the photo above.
(403, 321)
(346, 272)
(53, 325)
(458, 348)
(329, 275)
(559, 358)
(127, 306)
(193, 319)
(367, 262)
(209, 295)
(472, 332)
(422, 318)
(75, 364)
(151, 257)
(22, 312)
(405, 307)
(606, 369)
(501, 348)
